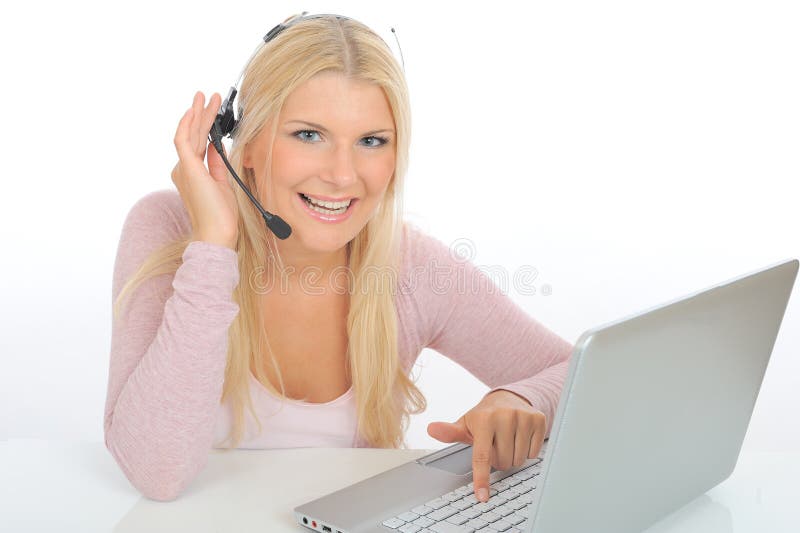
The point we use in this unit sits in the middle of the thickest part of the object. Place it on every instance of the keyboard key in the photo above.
(408, 516)
(483, 507)
(511, 481)
(508, 494)
(476, 523)
(471, 499)
(499, 485)
(441, 514)
(517, 504)
(457, 519)
(438, 503)
(491, 516)
(424, 521)
(514, 518)
(409, 528)
(471, 512)
(500, 525)
(504, 510)
(520, 489)
(393, 523)
(498, 500)
(452, 496)
(422, 509)
(463, 490)
(447, 527)
(522, 475)
(461, 504)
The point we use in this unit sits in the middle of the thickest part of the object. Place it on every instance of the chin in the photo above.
(320, 244)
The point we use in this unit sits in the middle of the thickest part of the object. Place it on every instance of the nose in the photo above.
(340, 167)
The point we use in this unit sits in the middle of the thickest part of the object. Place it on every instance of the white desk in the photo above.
(63, 486)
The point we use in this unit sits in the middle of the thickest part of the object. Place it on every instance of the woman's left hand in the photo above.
(504, 431)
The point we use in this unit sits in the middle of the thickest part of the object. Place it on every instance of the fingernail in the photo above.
(483, 495)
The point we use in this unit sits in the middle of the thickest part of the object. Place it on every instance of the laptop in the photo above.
(652, 414)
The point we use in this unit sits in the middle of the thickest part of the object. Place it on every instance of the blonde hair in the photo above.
(385, 395)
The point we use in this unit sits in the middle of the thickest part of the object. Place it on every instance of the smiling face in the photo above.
(335, 140)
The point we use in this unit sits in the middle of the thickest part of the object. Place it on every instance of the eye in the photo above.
(382, 140)
(302, 134)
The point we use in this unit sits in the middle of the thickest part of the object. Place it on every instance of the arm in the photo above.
(168, 355)
(471, 321)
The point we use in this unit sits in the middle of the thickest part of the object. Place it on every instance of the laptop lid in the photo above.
(655, 406)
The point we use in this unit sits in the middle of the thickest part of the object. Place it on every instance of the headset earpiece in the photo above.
(226, 121)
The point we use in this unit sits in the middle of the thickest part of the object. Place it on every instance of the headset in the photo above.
(225, 123)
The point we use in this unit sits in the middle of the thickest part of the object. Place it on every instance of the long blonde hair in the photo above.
(384, 393)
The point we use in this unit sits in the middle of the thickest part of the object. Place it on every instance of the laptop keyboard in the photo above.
(460, 512)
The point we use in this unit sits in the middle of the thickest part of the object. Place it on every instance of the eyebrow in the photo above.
(324, 130)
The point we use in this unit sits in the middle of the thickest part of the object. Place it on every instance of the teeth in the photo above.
(329, 205)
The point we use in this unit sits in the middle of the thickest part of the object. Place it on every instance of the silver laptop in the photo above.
(652, 414)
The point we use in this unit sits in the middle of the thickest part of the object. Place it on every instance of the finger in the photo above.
(523, 440)
(198, 143)
(504, 430)
(538, 437)
(216, 167)
(197, 106)
(483, 437)
(183, 123)
(182, 143)
(210, 113)
(447, 432)
(197, 103)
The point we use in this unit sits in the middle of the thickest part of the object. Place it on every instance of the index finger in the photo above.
(481, 462)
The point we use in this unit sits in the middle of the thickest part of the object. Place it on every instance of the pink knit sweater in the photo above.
(168, 350)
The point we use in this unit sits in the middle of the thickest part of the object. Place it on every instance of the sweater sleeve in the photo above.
(470, 320)
(168, 352)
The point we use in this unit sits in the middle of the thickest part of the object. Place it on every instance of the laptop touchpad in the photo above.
(459, 462)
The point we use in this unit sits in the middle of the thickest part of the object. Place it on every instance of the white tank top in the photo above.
(291, 423)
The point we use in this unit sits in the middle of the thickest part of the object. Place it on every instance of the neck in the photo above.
(310, 271)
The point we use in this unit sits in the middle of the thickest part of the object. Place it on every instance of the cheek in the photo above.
(380, 173)
(290, 159)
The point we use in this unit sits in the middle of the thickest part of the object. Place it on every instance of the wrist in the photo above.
(213, 239)
(510, 395)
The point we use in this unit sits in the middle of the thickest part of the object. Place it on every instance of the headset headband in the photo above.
(225, 116)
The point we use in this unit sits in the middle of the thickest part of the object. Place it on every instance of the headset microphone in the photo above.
(223, 125)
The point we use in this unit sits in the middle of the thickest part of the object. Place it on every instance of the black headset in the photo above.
(225, 125)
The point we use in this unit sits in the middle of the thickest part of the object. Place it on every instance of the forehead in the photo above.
(332, 99)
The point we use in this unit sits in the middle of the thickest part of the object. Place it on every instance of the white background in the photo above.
(631, 152)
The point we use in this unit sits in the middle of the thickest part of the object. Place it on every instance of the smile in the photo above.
(327, 211)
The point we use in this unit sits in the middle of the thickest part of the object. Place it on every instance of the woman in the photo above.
(220, 315)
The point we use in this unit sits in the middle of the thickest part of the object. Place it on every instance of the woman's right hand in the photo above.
(206, 193)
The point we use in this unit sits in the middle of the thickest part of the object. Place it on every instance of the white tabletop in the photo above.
(77, 486)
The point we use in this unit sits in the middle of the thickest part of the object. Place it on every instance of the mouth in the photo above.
(325, 207)
(327, 210)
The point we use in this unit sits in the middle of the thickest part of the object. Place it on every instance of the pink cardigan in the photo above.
(168, 351)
